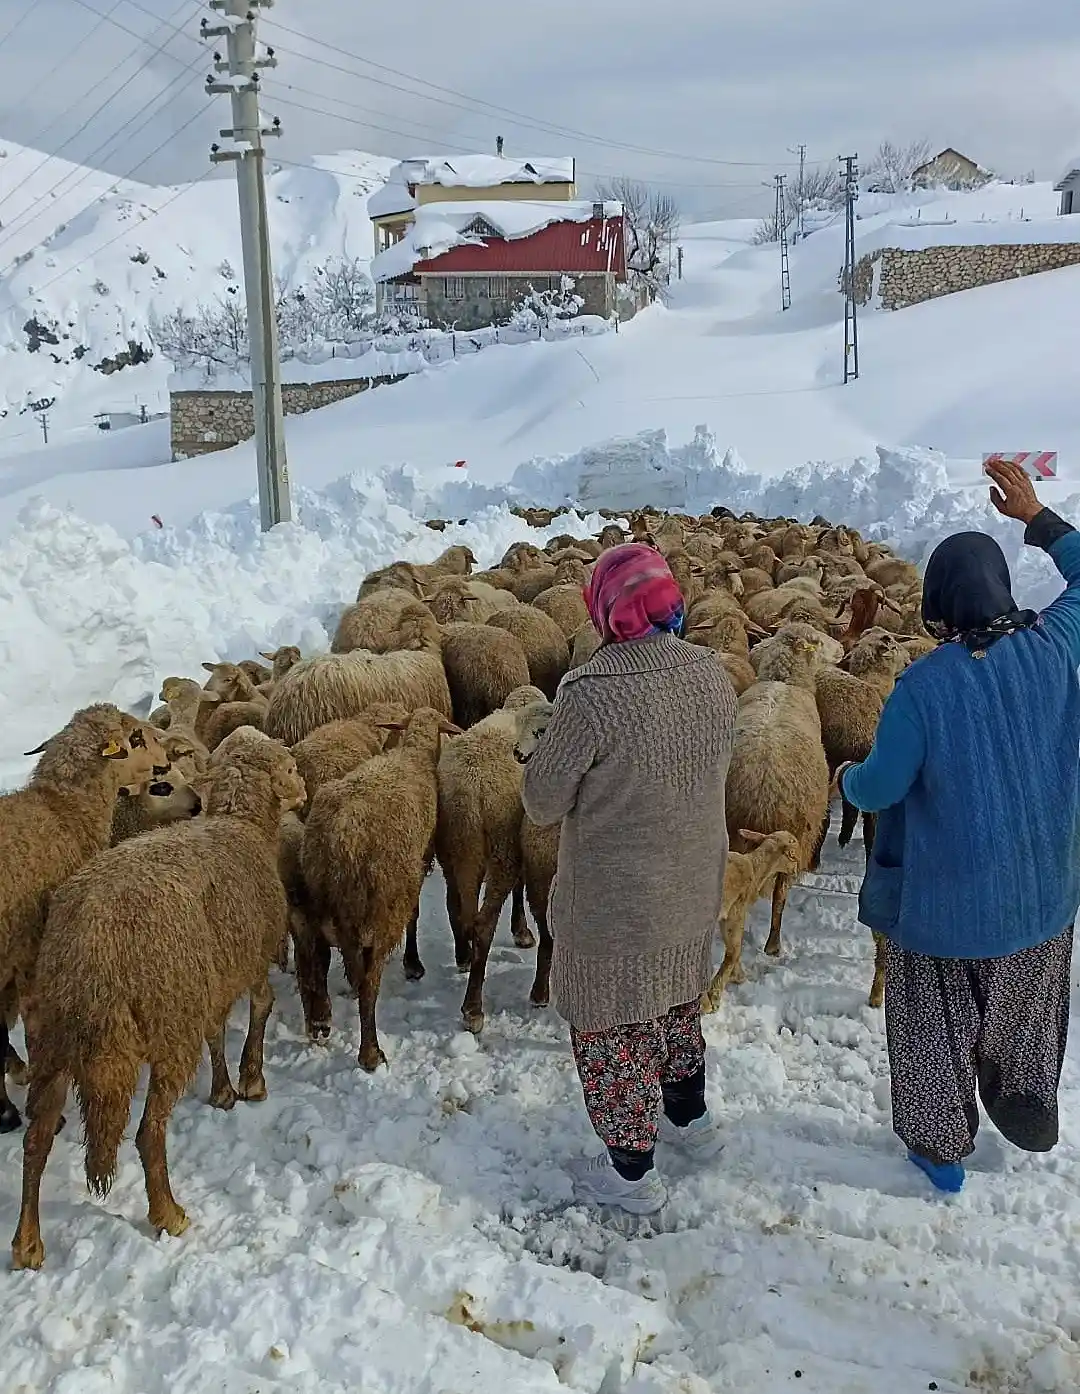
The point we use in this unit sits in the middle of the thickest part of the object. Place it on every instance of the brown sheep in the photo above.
(528, 584)
(478, 833)
(282, 659)
(230, 683)
(754, 581)
(168, 799)
(566, 606)
(779, 779)
(746, 878)
(891, 571)
(56, 823)
(187, 707)
(584, 644)
(611, 535)
(145, 952)
(414, 577)
(229, 717)
(483, 666)
(257, 672)
(739, 670)
(336, 749)
(334, 687)
(399, 575)
(386, 621)
(459, 600)
(543, 642)
(366, 844)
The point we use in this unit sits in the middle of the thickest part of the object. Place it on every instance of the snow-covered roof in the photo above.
(439, 226)
(391, 198)
(484, 171)
(1072, 173)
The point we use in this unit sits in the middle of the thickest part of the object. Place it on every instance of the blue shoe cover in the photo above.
(946, 1177)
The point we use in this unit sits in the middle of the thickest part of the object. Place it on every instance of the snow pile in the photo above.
(484, 171)
(88, 616)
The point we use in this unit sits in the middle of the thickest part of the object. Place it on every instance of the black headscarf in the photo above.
(967, 592)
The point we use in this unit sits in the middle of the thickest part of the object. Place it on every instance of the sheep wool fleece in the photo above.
(634, 762)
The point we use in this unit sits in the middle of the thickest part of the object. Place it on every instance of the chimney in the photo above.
(498, 145)
(598, 211)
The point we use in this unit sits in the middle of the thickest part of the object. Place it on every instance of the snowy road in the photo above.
(410, 1233)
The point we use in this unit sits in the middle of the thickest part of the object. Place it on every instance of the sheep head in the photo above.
(456, 561)
(257, 780)
(779, 850)
(522, 697)
(98, 738)
(533, 721)
(230, 682)
(282, 659)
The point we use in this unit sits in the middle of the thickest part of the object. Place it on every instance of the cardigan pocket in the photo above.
(879, 896)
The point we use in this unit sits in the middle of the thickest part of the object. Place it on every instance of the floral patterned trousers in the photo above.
(628, 1072)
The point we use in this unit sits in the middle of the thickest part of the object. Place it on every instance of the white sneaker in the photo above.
(596, 1182)
(700, 1139)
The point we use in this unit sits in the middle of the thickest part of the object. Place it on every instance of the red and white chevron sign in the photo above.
(1040, 464)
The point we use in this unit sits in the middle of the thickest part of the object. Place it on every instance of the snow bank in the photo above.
(86, 615)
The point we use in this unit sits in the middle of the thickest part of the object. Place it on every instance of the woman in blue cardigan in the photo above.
(974, 877)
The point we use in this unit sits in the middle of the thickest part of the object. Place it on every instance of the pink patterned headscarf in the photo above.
(632, 594)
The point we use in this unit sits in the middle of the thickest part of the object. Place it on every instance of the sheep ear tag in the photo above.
(112, 750)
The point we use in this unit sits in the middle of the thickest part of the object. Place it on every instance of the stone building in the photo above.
(1069, 188)
(950, 170)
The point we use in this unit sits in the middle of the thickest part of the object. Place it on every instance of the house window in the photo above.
(498, 288)
(1067, 201)
(480, 227)
(479, 286)
(455, 287)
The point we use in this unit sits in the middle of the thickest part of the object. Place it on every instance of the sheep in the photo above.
(478, 833)
(529, 583)
(386, 621)
(230, 683)
(227, 717)
(890, 571)
(186, 707)
(146, 949)
(689, 574)
(718, 621)
(611, 535)
(483, 666)
(281, 659)
(778, 779)
(460, 600)
(746, 878)
(755, 581)
(334, 750)
(58, 821)
(566, 606)
(413, 577)
(333, 687)
(521, 556)
(813, 567)
(259, 674)
(739, 670)
(169, 799)
(364, 858)
(399, 575)
(770, 658)
(584, 644)
(543, 643)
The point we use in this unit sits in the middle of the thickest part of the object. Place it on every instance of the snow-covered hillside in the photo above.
(91, 259)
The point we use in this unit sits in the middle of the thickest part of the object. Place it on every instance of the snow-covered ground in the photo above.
(411, 1233)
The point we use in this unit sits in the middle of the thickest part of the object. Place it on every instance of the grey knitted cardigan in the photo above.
(634, 763)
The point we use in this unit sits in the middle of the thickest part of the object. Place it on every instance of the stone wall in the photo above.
(205, 420)
(479, 308)
(907, 278)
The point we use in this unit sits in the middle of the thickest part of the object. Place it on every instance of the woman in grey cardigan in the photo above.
(633, 764)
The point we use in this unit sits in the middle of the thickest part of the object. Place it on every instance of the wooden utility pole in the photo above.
(247, 133)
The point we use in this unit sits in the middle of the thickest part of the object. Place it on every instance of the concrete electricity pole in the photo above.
(781, 237)
(800, 227)
(246, 134)
(850, 167)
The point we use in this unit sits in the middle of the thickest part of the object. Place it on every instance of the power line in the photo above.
(18, 24)
(53, 155)
(474, 103)
(43, 78)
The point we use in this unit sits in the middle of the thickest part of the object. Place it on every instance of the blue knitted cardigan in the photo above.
(975, 775)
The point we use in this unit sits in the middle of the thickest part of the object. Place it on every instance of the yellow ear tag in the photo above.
(112, 750)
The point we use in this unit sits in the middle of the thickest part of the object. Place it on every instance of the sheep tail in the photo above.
(848, 821)
(105, 1083)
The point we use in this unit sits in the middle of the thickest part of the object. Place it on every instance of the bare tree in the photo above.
(652, 228)
(819, 190)
(892, 166)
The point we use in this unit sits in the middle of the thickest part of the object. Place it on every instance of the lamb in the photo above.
(566, 606)
(543, 643)
(170, 798)
(779, 779)
(483, 666)
(849, 704)
(186, 708)
(478, 833)
(386, 621)
(333, 687)
(746, 878)
(145, 951)
(52, 826)
(364, 857)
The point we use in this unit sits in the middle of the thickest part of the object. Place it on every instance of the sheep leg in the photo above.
(779, 899)
(869, 832)
(222, 1093)
(369, 978)
(877, 991)
(414, 968)
(312, 969)
(10, 1119)
(164, 1214)
(519, 925)
(500, 884)
(15, 1068)
(45, 1106)
(815, 858)
(462, 901)
(252, 1079)
(540, 995)
(731, 970)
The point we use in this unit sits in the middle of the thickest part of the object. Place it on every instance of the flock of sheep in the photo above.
(152, 871)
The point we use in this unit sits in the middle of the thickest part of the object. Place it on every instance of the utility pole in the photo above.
(781, 234)
(800, 226)
(247, 133)
(43, 422)
(680, 262)
(851, 317)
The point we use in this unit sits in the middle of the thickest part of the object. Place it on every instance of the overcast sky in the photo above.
(719, 80)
